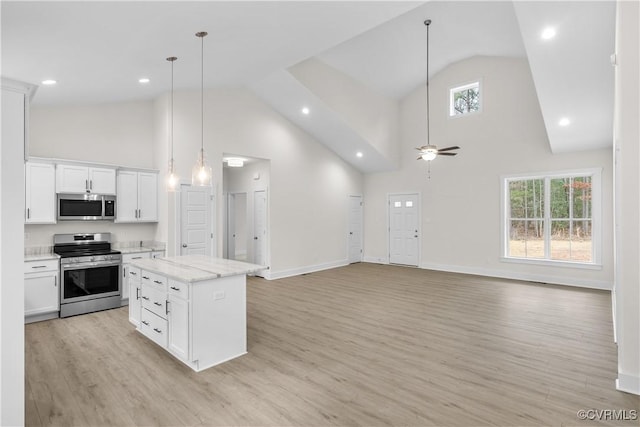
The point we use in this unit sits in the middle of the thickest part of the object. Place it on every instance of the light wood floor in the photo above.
(360, 345)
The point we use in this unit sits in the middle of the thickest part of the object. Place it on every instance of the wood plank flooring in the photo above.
(360, 345)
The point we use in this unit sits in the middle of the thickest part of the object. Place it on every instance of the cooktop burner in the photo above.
(77, 245)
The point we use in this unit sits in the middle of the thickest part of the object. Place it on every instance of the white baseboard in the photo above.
(543, 278)
(628, 383)
(375, 260)
(273, 275)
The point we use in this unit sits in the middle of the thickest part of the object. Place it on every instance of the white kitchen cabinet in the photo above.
(41, 290)
(84, 179)
(126, 259)
(178, 323)
(133, 279)
(137, 196)
(40, 193)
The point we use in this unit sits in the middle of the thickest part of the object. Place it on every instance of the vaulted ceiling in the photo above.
(97, 51)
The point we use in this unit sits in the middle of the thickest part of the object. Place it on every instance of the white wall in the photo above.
(627, 137)
(461, 202)
(120, 134)
(309, 184)
(11, 256)
(371, 115)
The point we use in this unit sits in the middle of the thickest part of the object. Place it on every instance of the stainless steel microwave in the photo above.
(86, 207)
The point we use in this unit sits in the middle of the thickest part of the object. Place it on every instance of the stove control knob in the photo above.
(93, 259)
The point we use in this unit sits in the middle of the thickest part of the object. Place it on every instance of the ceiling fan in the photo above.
(429, 151)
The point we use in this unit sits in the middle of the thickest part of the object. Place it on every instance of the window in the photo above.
(464, 99)
(552, 217)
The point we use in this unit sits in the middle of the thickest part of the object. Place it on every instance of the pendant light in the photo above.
(172, 178)
(201, 172)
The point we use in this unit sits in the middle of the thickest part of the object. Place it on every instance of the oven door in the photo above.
(90, 280)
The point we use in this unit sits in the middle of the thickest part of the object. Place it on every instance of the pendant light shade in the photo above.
(201, 172)
(172, 177)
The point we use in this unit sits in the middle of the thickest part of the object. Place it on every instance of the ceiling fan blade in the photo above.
(424, 147)
(447, 154)
(419, 158)
(455, 147)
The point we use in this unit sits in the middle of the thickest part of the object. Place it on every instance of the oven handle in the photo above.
(85, 265)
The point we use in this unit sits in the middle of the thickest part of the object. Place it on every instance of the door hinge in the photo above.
(212, 235)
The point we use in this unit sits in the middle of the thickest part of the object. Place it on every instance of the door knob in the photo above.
(184, 245)
(351, 233)
(255, 238)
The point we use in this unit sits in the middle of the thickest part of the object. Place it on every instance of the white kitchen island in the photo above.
(194, 306)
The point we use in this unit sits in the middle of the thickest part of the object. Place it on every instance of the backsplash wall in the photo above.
(42, 235)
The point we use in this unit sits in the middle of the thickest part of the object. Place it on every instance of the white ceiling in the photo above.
(97, 51)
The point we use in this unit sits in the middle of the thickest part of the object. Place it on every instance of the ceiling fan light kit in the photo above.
(429, 151)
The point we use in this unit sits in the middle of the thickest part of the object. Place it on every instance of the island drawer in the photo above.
(160, 282)
(154, 327)
(154, 299)
(178, 289)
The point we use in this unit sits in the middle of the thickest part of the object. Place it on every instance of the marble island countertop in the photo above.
(196, 268)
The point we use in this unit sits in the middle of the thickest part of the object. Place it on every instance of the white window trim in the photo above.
(596, 217)
(458, 88)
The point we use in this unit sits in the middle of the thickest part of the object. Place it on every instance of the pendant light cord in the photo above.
(202, 100)
(172, 115)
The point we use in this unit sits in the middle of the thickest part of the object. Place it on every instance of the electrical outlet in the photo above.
(218, 295)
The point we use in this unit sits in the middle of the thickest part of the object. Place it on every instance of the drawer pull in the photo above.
(157, 303)
(174, 288)
(39, 266)
(136, 257)
(145, 322)
(133, 273)
(158, 282)
(157, 330)
(145, 298)
(145, 277)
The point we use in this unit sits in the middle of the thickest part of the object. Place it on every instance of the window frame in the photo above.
(596, 217)
(460, 87)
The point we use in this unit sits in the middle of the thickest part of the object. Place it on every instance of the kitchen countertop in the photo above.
(139, 249)
(196, 268)
(41, 257)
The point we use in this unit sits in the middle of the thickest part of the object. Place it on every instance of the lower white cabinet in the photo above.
(41, 290)
(178, 318)
(133, 279)
(126, 259)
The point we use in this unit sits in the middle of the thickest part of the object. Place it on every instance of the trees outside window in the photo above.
(464, 99)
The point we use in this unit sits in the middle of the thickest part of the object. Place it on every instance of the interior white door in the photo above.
(195, 220)
(355, 229)
(231, 225)
(404, 231)
(260, 227)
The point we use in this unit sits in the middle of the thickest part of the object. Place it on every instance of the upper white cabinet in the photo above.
(137, 196)
(83, 179)
(40, 193)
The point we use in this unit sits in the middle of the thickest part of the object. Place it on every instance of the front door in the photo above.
(355, 229)
(195, 228)
(404, 232)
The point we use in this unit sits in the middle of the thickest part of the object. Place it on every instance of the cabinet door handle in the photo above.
(157, 330)
(166, 308)
(175, 289)
(139, 213)
(28, 213)
(145, 298)
(137, 293)
(86, 185)
(55, 282)
(158, 282)
(145, 322)
(91, 185)
(157, 303)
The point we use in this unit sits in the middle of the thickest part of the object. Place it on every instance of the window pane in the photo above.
(571, 241)
(465, 99)
(527, 198)
(582, 197)
(526, 239)
(560, 197)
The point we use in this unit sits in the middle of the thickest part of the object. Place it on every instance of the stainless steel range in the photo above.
(90, 273)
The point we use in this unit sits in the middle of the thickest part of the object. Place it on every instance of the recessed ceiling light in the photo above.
(49, 82)
(305, 111)
(144, 80)
(359, 154)
(564, 122)
(548, 33)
